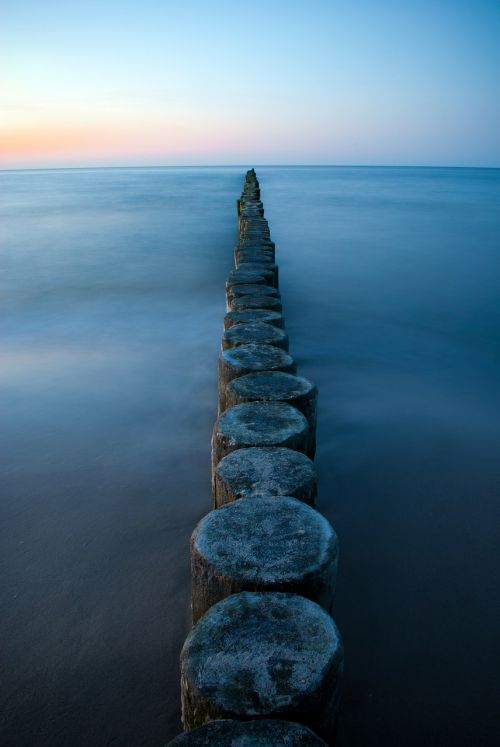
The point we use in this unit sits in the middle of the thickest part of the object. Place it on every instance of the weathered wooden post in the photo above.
(253, 315)
(263, 544)
(256, 266)
(263, 655)
(255, 302)
(244, 275)
(277, 386)
(250, 358)
(260, 255)
(253, 289)
(255, 332)
(259, 424)
(264, 660)
(265, 470)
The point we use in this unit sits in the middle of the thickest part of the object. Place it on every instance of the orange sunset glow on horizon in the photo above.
(83, 85)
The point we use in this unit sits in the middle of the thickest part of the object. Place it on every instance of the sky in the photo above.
(191, 82)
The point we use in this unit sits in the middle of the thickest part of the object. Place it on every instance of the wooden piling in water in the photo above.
(252, 289)
(259, 424)
(257, 266)
(242, 276)
(259, 290)
(250, 358)
(257, 333)
(256, 301)
(264, 653)
(267, 470)
(247, 316)
(277, 386)
(262, 544)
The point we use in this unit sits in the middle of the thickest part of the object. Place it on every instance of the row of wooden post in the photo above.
(263, 662)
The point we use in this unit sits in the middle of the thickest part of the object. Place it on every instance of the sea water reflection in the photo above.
(112, 302)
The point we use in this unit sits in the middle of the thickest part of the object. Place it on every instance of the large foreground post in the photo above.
(263, 655)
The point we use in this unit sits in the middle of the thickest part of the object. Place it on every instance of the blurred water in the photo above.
(111, 295)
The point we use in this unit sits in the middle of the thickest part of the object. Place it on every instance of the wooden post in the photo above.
(276, 386)
(262, 655)
(263, 544)
(248, 316)
(254, 332)
(255, 302)
(257, 471)
(248, 359)
(258, 424)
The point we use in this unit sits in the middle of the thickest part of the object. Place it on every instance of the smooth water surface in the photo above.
(111, 301)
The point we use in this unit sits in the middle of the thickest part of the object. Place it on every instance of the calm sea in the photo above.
(112, 297)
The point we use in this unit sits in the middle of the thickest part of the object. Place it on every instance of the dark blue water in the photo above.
(111, 296)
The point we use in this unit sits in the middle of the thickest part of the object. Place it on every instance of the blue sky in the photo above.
(160, 82)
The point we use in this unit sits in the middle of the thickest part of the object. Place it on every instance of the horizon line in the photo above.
(243, 165)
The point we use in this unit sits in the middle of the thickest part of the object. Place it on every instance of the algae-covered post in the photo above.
(250, 358)
(263, 544)
(256, 471)
(253, 315)
(264, 660)
(277, 386)
(263, 655)
(254, 332)
(259, 424)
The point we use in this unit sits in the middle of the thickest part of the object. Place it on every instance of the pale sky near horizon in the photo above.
(283, 81)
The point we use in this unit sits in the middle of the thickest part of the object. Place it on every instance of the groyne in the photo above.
(263, 662)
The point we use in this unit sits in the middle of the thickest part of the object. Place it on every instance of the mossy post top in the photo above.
(264, 541)
(261, 424)
(252, 357)
(272, 386)
(262, 653)
(255, 333)
(267, 470)
(253, 315)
